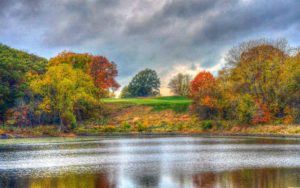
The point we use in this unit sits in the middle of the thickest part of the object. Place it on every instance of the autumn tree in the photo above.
(233, 56)
(258, 74)
(102, 71)
(145, 83)
(77, 60)
(204, 95)
(64, 89)
(203, 84)
(180, 84)
(259, 82)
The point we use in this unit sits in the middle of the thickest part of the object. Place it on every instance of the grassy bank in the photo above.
(151, 116)
(138, 129)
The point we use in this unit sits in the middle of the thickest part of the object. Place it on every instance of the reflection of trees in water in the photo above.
(204, 180)
(146, 176)
(12, 181)
(146, 180)
(260, 178)
(65, 181)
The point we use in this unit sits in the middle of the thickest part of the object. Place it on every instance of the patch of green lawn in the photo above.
(176, 103)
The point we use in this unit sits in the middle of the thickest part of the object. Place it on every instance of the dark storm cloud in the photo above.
(151, 33)
(175, 11)
(20, 10)
(184, 9)
(82, 20)
(239, 21)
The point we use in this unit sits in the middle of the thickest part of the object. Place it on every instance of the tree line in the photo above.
(259, 84)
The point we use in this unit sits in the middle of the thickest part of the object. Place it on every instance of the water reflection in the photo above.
(259, 178)
(152, 162)
(67, 181)
(249, 178)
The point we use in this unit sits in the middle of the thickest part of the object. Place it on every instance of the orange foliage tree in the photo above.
(203, 92)
(203, 83)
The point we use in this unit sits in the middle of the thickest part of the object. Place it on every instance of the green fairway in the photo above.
(176, 103)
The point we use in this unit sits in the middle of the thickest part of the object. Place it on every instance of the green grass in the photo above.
(176, 103)
(150, 100)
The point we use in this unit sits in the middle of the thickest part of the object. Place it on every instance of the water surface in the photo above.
(150, 162)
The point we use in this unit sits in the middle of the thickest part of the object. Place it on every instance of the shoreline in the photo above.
(9, 136)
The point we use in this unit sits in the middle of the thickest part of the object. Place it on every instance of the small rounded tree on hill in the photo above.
(145, 83)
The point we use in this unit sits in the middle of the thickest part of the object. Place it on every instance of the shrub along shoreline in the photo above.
(157, 116)
(145, 120)
(291, 131)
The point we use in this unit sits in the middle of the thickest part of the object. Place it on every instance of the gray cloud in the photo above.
(150, 33)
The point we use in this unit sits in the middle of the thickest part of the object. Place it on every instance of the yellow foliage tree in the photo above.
(63, 88)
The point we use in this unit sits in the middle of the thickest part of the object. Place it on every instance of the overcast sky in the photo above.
(169, 36)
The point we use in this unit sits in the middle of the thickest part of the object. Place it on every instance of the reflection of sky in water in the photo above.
(163, 162)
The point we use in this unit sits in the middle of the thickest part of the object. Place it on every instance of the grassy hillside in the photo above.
(176, 103)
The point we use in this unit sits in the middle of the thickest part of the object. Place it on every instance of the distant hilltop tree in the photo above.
(145, 83)
(180, 84)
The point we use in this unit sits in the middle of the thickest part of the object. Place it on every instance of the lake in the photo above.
(150, 162)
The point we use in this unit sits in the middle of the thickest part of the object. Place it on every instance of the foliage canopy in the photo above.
(145, 83)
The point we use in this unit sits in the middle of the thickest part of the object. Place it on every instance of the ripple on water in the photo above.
(146, 157)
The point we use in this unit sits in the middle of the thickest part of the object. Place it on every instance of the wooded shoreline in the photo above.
(169, 134)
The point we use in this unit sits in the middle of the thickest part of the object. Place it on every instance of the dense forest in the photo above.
(260, 84)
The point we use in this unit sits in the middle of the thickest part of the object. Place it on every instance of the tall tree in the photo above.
(63, 89)
(257, 82)
(103, 73)
(145, 83)
(258, 74)
(180, 84)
